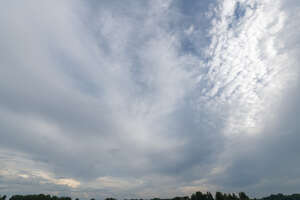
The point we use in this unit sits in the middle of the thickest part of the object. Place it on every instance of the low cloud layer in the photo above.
(149, 98)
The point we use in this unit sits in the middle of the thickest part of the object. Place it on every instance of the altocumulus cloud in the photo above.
(149, 98)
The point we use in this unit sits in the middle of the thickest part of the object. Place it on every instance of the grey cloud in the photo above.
(112, 90)
(267, 164)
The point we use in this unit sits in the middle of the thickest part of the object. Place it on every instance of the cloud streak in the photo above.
(144, 99)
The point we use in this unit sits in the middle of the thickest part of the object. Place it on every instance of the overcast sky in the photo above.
(160, 98)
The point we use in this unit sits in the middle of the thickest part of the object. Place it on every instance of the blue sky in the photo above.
(149, 98)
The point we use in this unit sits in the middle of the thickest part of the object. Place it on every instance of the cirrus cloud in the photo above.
(143, 99)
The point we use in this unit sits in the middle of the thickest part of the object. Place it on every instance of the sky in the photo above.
(142, 99)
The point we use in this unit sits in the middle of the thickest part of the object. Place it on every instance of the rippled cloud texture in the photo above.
(149, 98)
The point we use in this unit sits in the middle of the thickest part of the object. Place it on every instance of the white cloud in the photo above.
(245, 67)
(116, 183)
(149, 98)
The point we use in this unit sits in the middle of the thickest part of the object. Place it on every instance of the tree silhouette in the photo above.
(219, 196)
(243, 196)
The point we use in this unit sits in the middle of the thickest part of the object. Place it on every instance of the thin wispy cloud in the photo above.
(148, 98)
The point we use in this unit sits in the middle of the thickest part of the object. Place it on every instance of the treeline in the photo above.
(282, 197)
(195, 196)
(35, 197)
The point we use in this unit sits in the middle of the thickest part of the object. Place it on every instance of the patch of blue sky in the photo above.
(240, 12)
(193, 25)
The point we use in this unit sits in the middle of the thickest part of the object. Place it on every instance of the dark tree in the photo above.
(243, 196)
(209, 196)
(110, 198)
(219, 196)
(2, 197)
